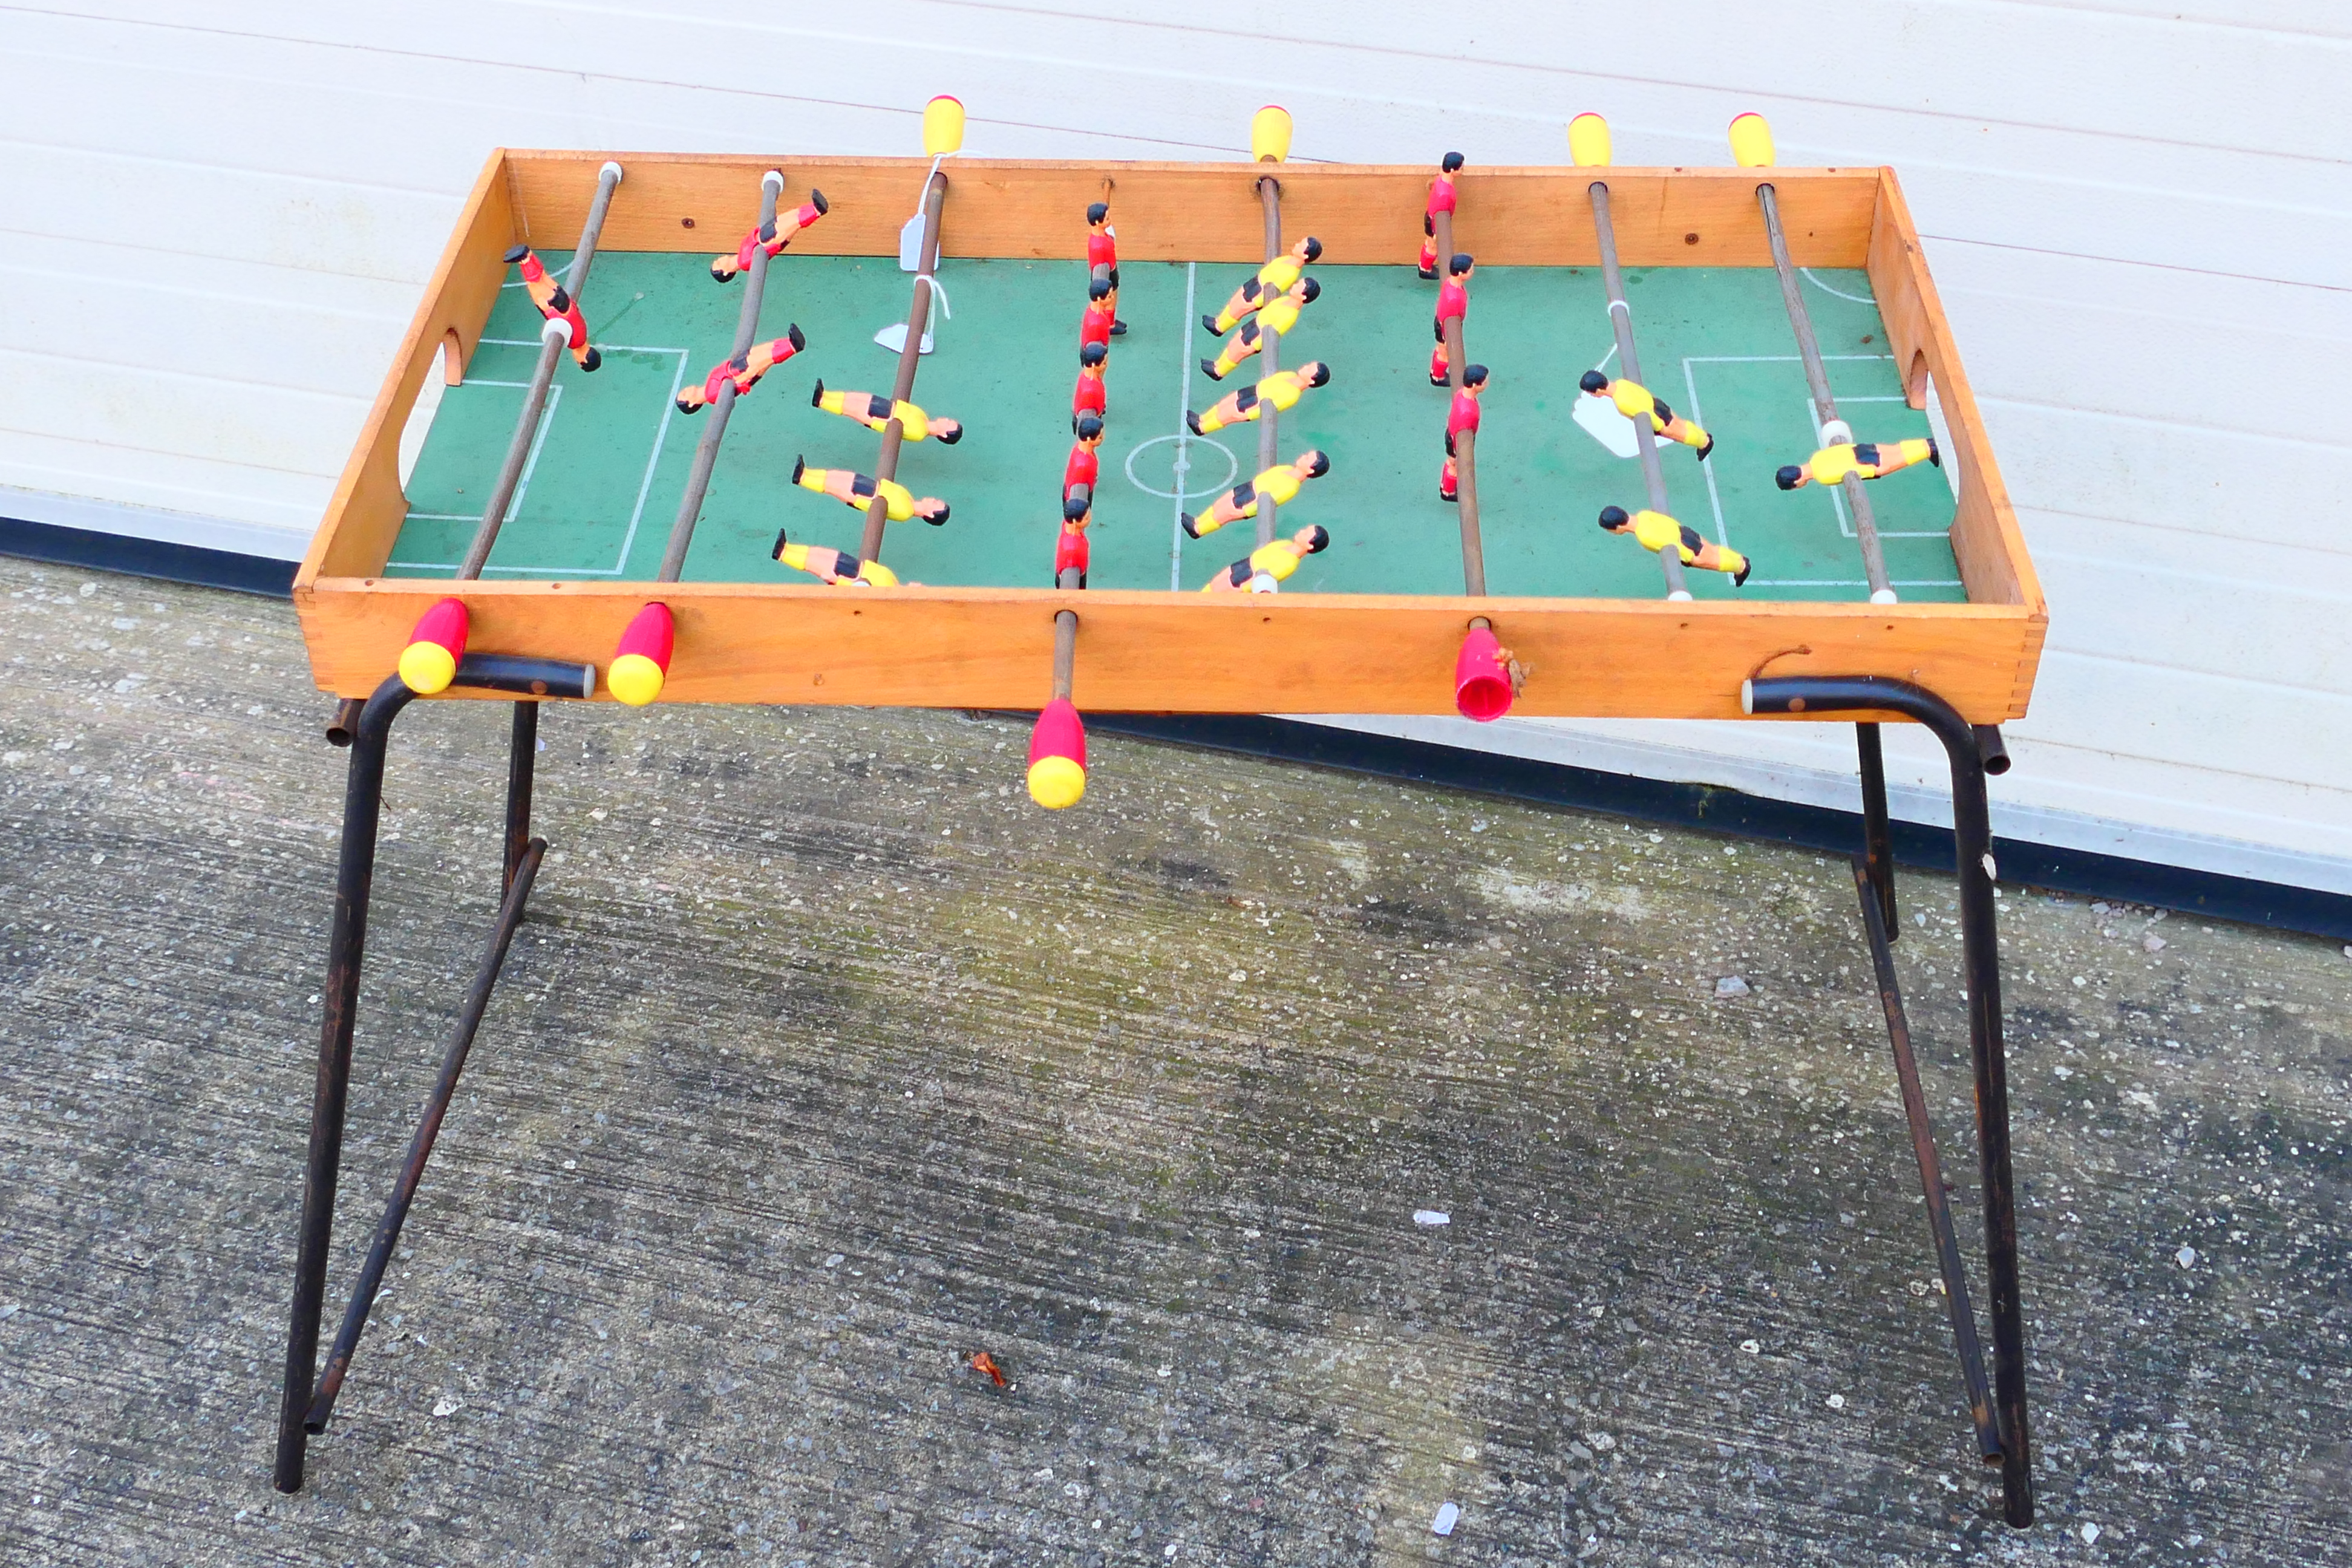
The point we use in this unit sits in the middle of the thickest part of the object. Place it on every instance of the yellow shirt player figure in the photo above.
(837, 567)
(1279, 390)
(1265, 568)
(875, 411)
(1273, 280)
(1635, 402)
(857, 491)
(1277, 485)
(1863, 459)
(1277, 316)
(1657, 532)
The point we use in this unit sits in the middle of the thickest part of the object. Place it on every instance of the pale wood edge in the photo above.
(445, 308)
(985, 648)
(1987, 539)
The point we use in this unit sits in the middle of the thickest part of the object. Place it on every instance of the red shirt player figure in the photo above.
(1102, 258)
(771, 237)
(1452, 300)
(556, 303)
(1090, 395)
(1070, 550)
(1462, 415)
(1080, 474)
(1440, 200)
(744, 371)
(1098, 322)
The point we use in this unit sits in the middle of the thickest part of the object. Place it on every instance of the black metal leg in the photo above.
(363, 810)
(368, 735)
(420, 1147)
(1931, 1176)
(522, 763)
(1878, 840)
(1980, 958)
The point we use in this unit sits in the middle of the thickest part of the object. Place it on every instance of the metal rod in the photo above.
(1877, 838)
(346, 720)
(522, 757)
(354, 878)
(1066, 646)
(1621, 317)
(420, 1147)
(1980, 961)
(534, 399)
(706, 451)
(919, 314)
(1931, 1171)
(1817, 376)
(1466, 466)
(1269, 195)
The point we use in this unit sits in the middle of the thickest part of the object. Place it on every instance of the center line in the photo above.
(1184, 433)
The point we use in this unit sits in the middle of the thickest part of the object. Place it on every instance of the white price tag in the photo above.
(910, 245)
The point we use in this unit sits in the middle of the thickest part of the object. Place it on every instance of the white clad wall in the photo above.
(214, 222)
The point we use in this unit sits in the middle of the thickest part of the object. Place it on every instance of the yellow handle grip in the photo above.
(1751, 141)
(943, 126)
(1270, 135)
(1588, 140)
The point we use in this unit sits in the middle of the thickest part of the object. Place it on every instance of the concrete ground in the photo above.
(825, 1060)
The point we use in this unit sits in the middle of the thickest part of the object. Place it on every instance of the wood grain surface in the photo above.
(824, 1060)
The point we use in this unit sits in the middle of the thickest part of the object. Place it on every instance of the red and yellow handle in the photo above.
(641, 659)
(429, 662)
(1057, 756)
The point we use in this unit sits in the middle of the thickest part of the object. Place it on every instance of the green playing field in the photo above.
(603, 487)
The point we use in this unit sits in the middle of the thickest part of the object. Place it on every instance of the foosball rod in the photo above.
(706, 451)
(1751, 145)
(902, 390)
(1269, 193)
(1621, 317)
(554, 337)
(1466, 466)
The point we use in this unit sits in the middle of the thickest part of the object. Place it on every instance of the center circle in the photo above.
(1184, 444)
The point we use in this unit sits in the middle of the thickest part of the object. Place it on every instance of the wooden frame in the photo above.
(987, 648)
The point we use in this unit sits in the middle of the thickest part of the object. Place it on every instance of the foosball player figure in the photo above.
(744, 370)
(1277, 390)
(771, 237)
(1460, 415)
(556, 303)
(1090, 395)
(1863, 459)
(1658, 531)
(858, 490)
(1453, 303)
(1070, 549)
(837, 567)
(1277, 484)
(875, 412)
(1265, 568)
(1096, 325)
(1272, 281)
(1635, 402)
(1102, 258)
(1277, 316)
(1083, 467)
(1440, 200)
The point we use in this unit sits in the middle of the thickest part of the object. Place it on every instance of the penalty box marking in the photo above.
(547, 420)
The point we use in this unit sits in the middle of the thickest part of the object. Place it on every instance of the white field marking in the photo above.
(538, 439)
(1857, 298)
(1837, 492)
(1855, 582)
(1183, 406)
(1713, 497)
(554, 395)
(1600, 419)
